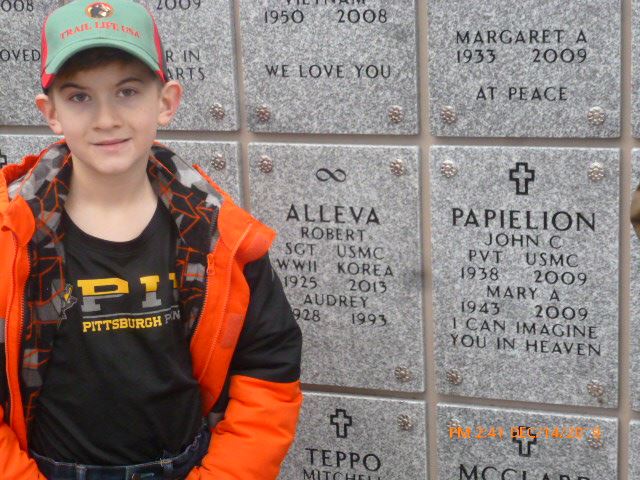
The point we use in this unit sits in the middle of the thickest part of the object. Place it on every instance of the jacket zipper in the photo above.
(12, 394)
(227, 293)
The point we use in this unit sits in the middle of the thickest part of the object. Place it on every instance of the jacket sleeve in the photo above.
(263, 397)
(15, 464)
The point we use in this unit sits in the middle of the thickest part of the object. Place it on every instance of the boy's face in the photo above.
(109, 115)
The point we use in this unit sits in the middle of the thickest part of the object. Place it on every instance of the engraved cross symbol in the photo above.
(521, 445)
(341, 421)
(522, 175)
(3, 159)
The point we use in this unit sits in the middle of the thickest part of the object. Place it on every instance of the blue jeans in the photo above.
(171, 468)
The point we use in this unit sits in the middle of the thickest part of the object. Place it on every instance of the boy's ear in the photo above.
(47, 108)
(170, 97)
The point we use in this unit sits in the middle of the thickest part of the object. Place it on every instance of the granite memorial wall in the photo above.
(452, 183)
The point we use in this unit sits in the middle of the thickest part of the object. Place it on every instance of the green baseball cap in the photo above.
(82, 24)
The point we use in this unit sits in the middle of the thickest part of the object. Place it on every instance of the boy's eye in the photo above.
(78, 97)
(128, 92)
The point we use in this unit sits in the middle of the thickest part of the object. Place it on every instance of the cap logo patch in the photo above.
(99, 10)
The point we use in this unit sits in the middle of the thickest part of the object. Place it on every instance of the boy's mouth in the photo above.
(112, 141)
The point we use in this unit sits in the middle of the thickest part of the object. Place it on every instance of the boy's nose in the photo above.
(107, 115)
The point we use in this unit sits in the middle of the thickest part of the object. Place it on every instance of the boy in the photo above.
(145, 333)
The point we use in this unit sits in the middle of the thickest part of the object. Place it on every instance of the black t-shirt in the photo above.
(119, 389)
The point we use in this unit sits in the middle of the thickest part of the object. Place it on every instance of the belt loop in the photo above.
(81, 472)
(167, 467)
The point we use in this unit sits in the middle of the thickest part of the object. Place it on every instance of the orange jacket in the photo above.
(216, 237)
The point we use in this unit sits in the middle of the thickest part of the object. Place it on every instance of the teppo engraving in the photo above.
(448, 115)
(359, 438)
(596, 116)
(525, 69)
(396, 114)
(331, 67)
(525, 267)
(202, 59)
(454, 377)
(263, 113)
(398, 168)
(596, 172)
(404, 422)
(348, 255)
(517, 444)
(448, 169)
(217, 111)
(218, 162)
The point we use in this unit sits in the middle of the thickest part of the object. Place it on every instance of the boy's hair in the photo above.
(98, 56)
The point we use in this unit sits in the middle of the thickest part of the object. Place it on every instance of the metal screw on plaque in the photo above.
(596, 172)
(398, 167)
(396, 114)
(217, 111)
(403, 374)
(454, 376)
(594, 439)
(595, 389)
(218, 162)
(448, 169)
(448, 115)
(265, 164)
(596, 116)
(404, 422)
(453, 423)
(263, 113)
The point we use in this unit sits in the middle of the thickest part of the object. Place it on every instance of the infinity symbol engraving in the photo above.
(324, 175)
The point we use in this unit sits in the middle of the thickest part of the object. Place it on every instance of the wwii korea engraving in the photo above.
(634, 228)
(525, 273)
(524, 69)
(219, 160)
(358, 438)
(634, 451)
(13, 148)
(348, 255)
(318, 66)
(20, 58)
(485, 443)
(198, 40)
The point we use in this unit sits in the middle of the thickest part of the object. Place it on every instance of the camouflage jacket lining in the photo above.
(194, 206)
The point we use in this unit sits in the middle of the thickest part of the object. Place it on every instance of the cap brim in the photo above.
(65, 54)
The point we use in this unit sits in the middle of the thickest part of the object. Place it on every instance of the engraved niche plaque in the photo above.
(525, 273)
(524, 69)
(360, 438)
(492, 443)
(330, 67)
(198, 42)
(348, 255)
